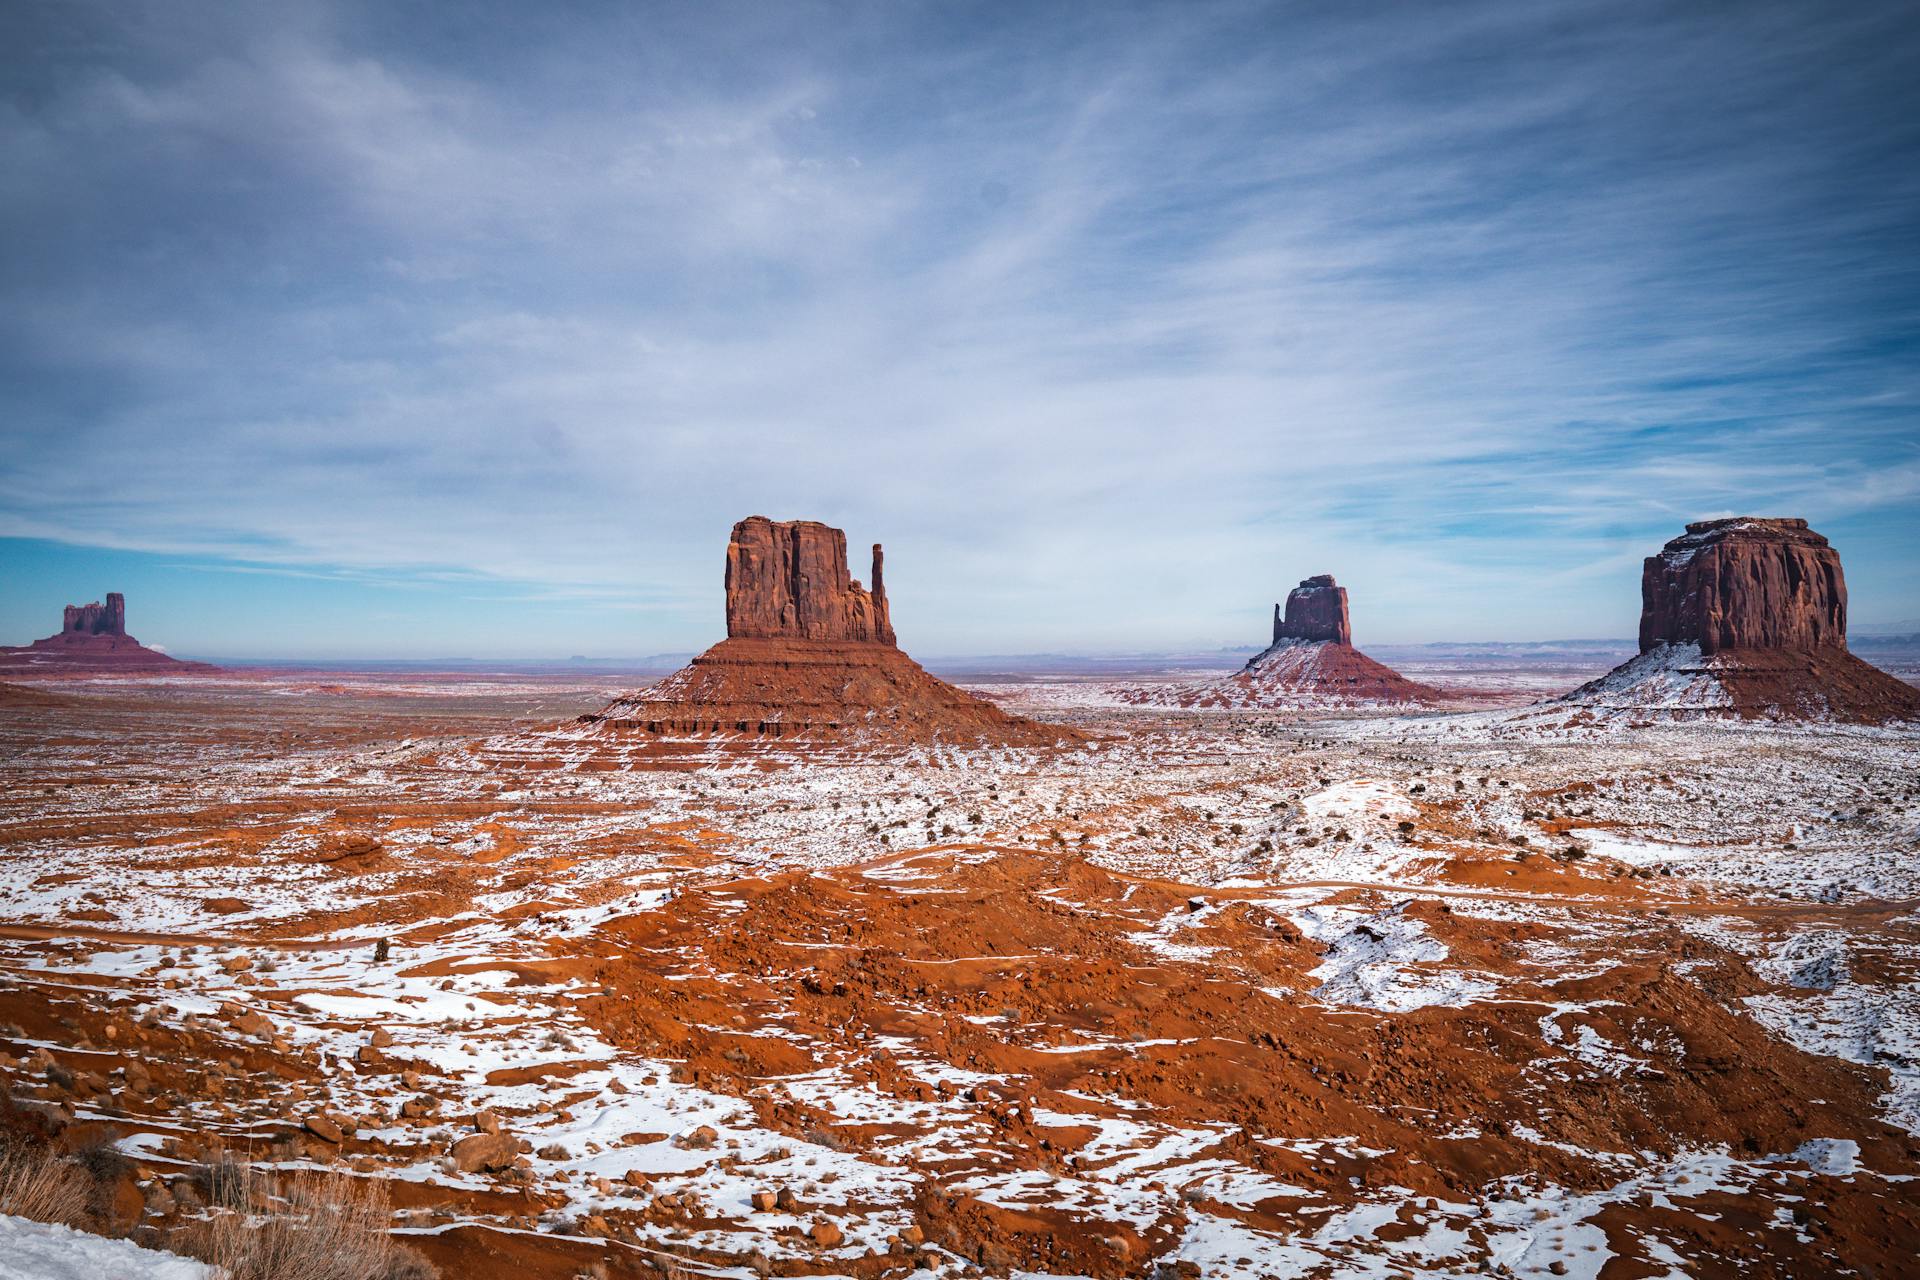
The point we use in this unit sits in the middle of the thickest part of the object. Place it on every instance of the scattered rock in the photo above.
(698, 1139)
(321, 1126)
(340, 848)
(484, 1152)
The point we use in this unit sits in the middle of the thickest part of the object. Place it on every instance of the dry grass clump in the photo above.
(326, 1227)
(36, 1182)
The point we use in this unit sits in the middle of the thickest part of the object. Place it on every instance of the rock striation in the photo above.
(810, 655)
(1747, 617)
(1316, 611)
(1311, 663)
(92, 639)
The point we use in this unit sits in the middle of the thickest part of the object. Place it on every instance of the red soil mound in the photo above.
(812, 689)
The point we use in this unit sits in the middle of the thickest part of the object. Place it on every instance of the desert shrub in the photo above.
(100, 1158)
(327, 1227)
(826, 1138)
(226, 1183)
(37, 1182)
(104, 1167)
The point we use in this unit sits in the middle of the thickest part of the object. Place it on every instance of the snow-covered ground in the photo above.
(47, 1251)
(501, 849)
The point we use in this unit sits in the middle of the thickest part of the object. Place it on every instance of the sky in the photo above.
(417, 330)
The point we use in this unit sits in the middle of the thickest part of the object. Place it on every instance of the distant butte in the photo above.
(1312, 658)
(1311, 662)
(1316, 612)
(1747, 617)
(810, 655)
(92, 639)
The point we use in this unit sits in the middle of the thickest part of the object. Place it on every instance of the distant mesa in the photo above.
(810, 655)
(92, 639)
(1311, 663)
(1747, 617)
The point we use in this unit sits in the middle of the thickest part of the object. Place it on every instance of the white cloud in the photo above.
(1111, 329)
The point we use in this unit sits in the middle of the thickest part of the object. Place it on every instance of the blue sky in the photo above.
(400, 330)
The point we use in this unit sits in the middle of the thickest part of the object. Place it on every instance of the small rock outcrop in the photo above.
(1316, 611)
(1747, 618)
(92, 639)
(810, 655)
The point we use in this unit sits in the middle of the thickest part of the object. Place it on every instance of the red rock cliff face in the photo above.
(97, 619)
(1316, 610)
(1744, 583)
(788, 579)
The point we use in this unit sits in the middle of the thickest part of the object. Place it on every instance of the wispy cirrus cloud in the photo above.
(1111, 323)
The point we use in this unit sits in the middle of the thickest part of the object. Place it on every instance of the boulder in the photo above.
(321, 1126)
(484, 1152)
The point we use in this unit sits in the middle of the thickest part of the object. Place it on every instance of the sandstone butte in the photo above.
(810, 655)
(1311, 662)
(92, 639)
(1312, 657)
(1748, 616)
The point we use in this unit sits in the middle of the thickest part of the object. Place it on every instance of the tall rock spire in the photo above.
(882, 618)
